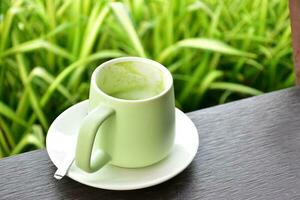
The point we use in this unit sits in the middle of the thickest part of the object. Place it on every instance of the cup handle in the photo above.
(85, 158)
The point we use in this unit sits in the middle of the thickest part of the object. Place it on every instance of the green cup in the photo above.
(131, 117)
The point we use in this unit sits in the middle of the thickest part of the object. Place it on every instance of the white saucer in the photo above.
(61, 141)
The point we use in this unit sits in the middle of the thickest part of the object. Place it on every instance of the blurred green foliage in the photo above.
(217, 51)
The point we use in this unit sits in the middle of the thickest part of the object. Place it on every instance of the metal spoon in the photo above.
(64, 168)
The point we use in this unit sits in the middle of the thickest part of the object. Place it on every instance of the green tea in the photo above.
(131, 80)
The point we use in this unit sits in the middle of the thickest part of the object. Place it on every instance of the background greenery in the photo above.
(217, 51)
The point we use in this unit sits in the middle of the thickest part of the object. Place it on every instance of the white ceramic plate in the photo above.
(61, 141)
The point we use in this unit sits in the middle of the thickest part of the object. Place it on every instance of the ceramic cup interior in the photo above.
(133, 78)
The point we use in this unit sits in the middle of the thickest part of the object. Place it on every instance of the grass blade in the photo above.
(21, 112)
(35, 45)
(204, 44)
(82, 62)
(92, 31)
(48, 78)
(197, 75)
(6, 24)
(29, 139)
(1, 153)
(3, 144)
(10, 114)
(122, 15)
(38, 132)
(90, 37)
(10, 137)
(208, 80)
(199, 5)
(72, 67)
(235, 87)
(31, 93)
(224, 96)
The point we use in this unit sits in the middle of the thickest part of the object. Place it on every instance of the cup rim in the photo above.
(166, 73)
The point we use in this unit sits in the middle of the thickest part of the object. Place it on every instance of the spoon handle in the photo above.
(63, 169)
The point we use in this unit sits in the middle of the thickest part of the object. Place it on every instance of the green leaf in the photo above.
(31, 93)
(35, 45)
(123, 17)
(8, 134)
(9, 113)
(225, 96)
(62, 9)
(28, 139)
(60, 29)
(69, 69)
(3, 143)
(1, 153)
(198, 73)
(199, 5)
(48, 78)
(91, 33)
(204, 44)
(38, 132)
(7, 23)
(21, 112)
(235, 87)
(208, 80)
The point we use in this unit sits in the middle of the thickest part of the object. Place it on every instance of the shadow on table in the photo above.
(172, 189)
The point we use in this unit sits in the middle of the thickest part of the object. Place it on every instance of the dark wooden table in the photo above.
(249, 149)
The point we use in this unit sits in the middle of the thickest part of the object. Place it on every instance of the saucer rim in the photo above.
(147, 184)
